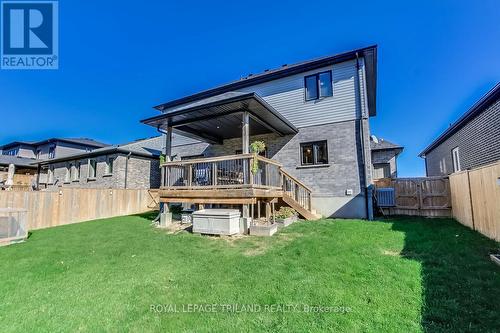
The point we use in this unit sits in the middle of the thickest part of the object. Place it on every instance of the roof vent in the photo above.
(374, 139)
(266, 70)
(284, 65)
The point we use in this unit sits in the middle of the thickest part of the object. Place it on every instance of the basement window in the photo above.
(314, 153)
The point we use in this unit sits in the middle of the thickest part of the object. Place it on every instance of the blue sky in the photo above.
(436, 58)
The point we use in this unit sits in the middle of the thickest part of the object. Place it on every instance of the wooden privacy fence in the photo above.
(71, 205)
(423, 196)
(475, 196)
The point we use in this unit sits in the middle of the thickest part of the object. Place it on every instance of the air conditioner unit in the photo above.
(385, 197)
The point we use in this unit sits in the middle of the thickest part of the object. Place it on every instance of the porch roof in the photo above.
(216, 118)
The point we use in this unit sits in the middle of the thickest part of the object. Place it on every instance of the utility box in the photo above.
(216, 221)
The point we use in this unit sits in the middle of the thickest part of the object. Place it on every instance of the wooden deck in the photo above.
(236, 179)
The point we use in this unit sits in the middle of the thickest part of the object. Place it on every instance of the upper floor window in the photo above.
(11, 152)
(455, 156)
(318, 85)
(313, 153)
(52, 152)
(38, 154)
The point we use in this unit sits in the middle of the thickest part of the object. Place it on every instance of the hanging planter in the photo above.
(256, 147)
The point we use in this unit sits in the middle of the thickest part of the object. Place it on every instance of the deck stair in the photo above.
(298, 196)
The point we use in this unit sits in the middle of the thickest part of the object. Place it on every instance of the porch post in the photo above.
(168, 143)
(165, 214)
(245, 148)
(245, 131)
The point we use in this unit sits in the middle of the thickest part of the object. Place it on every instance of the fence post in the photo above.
(471, 202)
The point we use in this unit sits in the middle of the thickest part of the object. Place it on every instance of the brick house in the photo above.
(472, 141)
(314, 119)
(133, 165)
(384, 157)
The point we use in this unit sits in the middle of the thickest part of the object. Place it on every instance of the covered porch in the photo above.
(244, 179)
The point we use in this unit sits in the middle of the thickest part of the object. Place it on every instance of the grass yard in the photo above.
(397, 275)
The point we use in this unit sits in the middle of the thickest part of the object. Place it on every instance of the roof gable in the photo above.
(369, 53)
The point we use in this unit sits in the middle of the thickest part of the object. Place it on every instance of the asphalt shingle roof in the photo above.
(383, 144)
(17, 161)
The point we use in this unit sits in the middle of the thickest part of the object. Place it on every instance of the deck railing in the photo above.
(234, 171)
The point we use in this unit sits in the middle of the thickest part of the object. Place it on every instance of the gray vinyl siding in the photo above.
(478, 143)
(286, 95)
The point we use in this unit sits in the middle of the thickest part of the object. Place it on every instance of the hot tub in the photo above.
(216, 221)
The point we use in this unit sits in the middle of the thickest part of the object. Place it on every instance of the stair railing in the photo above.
(296, 190)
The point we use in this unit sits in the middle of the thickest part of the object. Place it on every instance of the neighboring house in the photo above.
(132, 165)
(384, 158)
(313, 117)
(50, 148)
(472, 141)
(22, 165)
(23, 154)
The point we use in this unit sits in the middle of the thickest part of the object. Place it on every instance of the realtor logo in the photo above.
(29, 35)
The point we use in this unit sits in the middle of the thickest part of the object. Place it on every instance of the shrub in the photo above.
(285, 212)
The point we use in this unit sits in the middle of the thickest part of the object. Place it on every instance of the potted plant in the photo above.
(256, 147)
(285, 216)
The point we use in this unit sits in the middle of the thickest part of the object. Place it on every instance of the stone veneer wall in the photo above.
(330, 183)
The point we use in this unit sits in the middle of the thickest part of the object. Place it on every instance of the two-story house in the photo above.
(24, 154)
(314, 120)
(132, 165)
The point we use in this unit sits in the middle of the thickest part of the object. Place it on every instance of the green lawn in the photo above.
(397, 275)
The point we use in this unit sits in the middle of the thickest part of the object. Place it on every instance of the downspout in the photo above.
(126, 169)
(368, 199)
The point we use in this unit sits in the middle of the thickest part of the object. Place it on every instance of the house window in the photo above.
(38, 154)
(11, 152)
(52, 152)
(109, 165)
(67, 177)
(92, 169)
(75, 171)
(455, 156)
(318, 85)
(50, 175)
(381, 170)
(314, 153)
